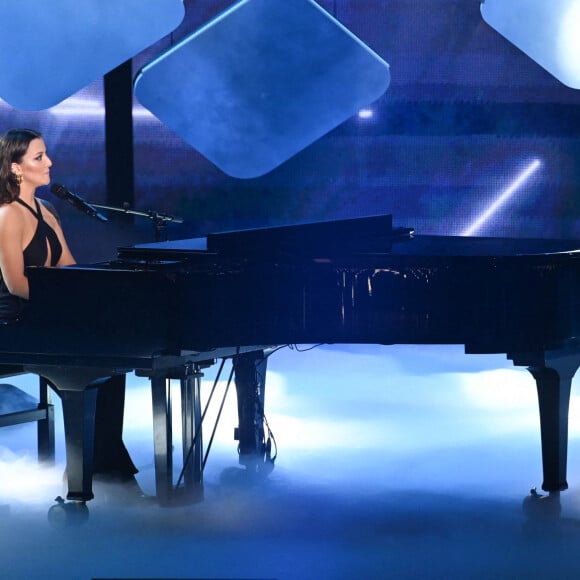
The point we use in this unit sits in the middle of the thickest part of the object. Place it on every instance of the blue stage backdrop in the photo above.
(471, 138)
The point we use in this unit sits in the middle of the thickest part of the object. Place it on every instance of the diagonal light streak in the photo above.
(503, 198)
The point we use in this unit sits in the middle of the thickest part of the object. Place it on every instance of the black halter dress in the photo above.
(35, 254)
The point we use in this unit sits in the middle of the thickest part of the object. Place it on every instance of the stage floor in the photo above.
(393, 462)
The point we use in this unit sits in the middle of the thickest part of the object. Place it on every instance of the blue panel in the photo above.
(261, 82)
(50, 50)
(547, 31)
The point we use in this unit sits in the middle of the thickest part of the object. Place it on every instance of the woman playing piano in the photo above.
(31, 235)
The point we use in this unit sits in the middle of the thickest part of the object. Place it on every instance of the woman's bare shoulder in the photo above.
(9, 210)
(11, 222)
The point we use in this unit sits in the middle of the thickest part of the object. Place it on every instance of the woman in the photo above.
(30, 235)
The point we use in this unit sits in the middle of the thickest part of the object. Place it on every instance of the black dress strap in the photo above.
(37, 214)
(35, 253)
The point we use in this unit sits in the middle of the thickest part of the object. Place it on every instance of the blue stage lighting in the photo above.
(502, 199)
(51, 50)
(547, 31)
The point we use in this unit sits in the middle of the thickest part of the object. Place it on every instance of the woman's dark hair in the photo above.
(13, 146)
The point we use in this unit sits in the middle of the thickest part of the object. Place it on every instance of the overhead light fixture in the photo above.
(51, 50)
(548, 31)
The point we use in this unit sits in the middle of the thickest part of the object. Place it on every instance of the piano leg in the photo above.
(162, 437)
(78, 409)
(192, 436)
(553, 372)
(78, 389)
(250, 379)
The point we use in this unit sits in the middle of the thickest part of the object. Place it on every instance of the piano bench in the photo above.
(42, 413)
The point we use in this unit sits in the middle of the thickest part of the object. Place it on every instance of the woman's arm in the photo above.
(66, 258)
(11, 256)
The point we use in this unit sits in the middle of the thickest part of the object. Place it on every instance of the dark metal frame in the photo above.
(43, 414)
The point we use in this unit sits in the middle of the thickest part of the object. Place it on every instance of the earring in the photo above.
(19, 179)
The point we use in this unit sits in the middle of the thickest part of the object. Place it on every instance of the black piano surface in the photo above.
(347, 281)
(490, 294)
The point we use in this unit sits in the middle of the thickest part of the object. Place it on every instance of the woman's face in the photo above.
(35, 165)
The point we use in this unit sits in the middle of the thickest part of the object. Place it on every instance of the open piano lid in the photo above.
(361, 234)
(371, 234)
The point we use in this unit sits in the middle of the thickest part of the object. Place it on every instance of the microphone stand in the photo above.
(159, 220)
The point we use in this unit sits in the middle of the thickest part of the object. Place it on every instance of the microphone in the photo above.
(76, 201)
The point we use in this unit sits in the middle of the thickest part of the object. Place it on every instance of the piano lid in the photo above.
(361, 234)
(369, 234)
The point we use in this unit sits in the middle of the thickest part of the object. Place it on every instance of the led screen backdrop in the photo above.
(472, 137)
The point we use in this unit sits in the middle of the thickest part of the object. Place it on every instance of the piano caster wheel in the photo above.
(541, 507)
(182, 496)
(258, 463)
(67, 514)
(264, 468)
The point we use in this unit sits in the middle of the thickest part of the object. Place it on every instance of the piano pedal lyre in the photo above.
(191, 474)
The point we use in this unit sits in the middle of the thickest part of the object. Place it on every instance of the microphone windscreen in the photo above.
(58, 190)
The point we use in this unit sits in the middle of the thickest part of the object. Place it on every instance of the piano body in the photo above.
(167, 309)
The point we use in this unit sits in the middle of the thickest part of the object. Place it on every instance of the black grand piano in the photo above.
(168, 309)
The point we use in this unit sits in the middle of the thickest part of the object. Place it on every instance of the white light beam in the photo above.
(501, 200)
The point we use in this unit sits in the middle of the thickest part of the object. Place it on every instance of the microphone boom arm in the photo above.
(159, 220)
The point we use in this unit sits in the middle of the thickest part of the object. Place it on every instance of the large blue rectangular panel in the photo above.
(547, 31)
(261, 82)
(51, 50)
